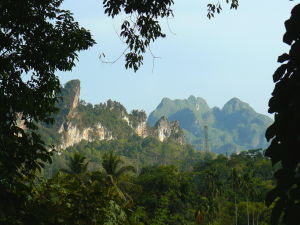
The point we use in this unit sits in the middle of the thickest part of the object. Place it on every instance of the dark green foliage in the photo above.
(115, 174)
(37, 38)
(136, 150)
(212, 8)
(171, 195)
(240, 177)
(109, 114)
(168, 195)
(137, 117)
(235, 128)
(145, 29)
(67, 200)
(138, 33)
(76, 165)
(284, 132)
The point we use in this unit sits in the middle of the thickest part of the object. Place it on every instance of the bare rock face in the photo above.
(141, 129)
(72, 130)
(20, 122)
(76, 98)
(72, 135)
(165, 129)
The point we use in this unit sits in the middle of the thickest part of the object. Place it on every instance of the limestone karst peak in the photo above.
(234, 105)
(236, 126)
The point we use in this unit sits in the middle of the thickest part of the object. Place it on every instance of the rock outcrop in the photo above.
(164, 129)
(141, 129)
(76, 98)
(72, 135)
(78, 120)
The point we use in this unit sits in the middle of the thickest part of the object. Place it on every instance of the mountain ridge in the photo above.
(78, 120)
(236, 125)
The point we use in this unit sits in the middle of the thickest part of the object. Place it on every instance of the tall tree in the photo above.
(247, 184)
(210, 178)
(77, 165)
(37, 38)
(234, 180)
(219, 191)
(254, 193)
(116, 174)
(284, 132)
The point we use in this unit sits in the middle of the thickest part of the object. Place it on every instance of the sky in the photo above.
(232, 55)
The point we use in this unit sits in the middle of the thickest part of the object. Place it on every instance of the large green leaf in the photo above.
(277, 211)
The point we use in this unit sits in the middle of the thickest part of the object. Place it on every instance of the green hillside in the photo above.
(124, 138)
(234, 128)
(170, 181)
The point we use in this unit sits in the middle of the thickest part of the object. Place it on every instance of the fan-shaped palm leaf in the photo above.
(76, 165)
(116, 175)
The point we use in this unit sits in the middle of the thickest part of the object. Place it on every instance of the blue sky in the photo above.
(232, 55)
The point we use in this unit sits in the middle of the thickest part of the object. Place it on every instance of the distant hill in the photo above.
(95, 129)
(234, 128)
(78, 120)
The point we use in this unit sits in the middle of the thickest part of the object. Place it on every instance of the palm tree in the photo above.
(77, 165)
(219, 192)
(212, 209)
(210, 178)
(116, 175)
(234, 182)
(254, 193)
(247, 184)
(220, 170)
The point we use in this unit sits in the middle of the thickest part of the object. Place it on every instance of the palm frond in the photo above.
(85, 166)
(63, 170)
(124, 170)
(127, 185)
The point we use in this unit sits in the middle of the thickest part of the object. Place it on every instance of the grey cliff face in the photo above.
(165, 129)
(72, 128)
(72, 135)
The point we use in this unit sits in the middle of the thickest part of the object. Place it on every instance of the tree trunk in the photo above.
(220, 208)
(257, 214)
(253, 212)
(235, 208)
(247, 210)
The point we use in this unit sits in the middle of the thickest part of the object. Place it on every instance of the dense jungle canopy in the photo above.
(39, 38)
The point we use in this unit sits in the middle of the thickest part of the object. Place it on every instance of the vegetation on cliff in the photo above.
(234, 128)
(135, 151)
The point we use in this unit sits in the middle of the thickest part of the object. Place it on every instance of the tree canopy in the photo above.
(37, 38)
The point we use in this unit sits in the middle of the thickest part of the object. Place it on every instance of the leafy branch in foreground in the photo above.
(284, 132)
(212, 8)
(37, 38)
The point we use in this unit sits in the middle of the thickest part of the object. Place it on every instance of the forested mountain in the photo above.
(234, 128)
(177, 183)
(95, 129)
(78, 120)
